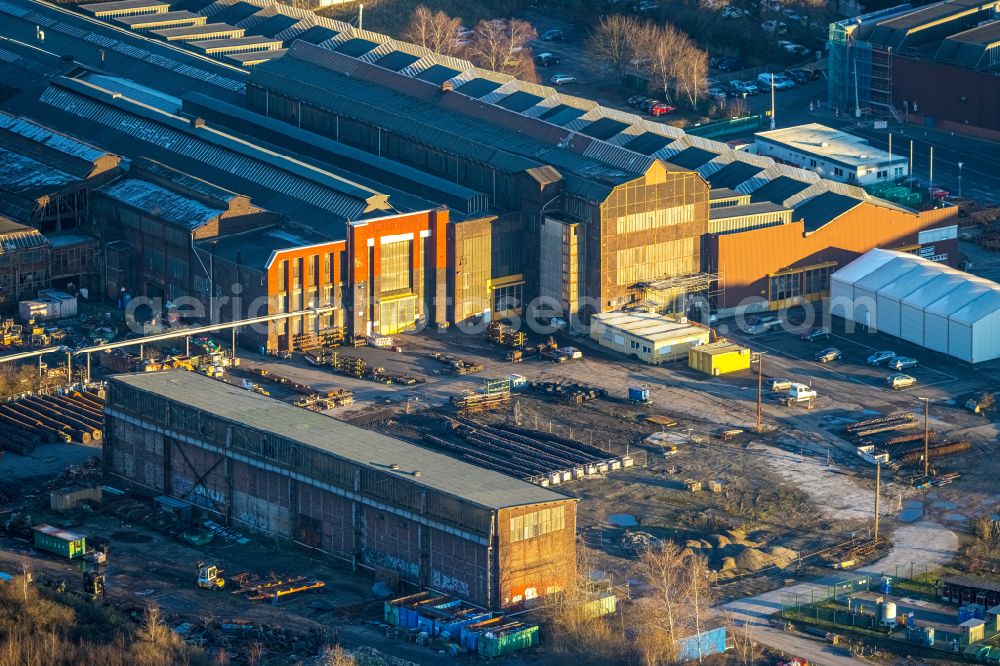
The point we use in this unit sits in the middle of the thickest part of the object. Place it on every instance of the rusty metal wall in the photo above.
(458, 566)
(539, 565)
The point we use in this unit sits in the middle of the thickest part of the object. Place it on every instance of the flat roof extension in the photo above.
(828, 143)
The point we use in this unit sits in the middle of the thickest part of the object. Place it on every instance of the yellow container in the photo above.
(719, 358)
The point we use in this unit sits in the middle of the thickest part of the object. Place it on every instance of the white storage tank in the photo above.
(887, 617)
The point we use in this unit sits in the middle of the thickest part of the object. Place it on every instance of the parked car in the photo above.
(730, 65)
(660, 109)
(828, 355)
(778, 384)
(734, 12)
(798, 393)
(798, 75)
(744, 87)
(648, 103)
(759, 325)
(899, 381)
(570, 352)
(719, 94)
(552, 35)
(903, 363)
(546, 59)
(636, 100)
(562, 79)
(648, 6)
(774, 27)
(816, 333)
(781, 82)
(880, 357)
(713, 61)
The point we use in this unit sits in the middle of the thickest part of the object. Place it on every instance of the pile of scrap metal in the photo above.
(76, 416)
(980, 402)
(273, 588)
(543, 350)
(355, 366)
(456, 365)
(916, 454)
(320, 402)
(569, 393)
(880, 424)
(503, 335)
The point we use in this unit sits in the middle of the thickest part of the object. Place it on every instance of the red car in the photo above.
(661, 109)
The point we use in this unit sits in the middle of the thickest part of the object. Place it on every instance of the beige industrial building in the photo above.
(651, 338)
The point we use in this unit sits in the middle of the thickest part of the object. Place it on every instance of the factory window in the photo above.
(398, 315)
(177, 269)
(508, 299)
(507, 252)
(327, 298)
(837, 171)
(882, 175)
(812, 163)
(282, 267)
(785, 286)
(396, 266)
(475, 268)
(327, 265)
(538, 523)
(296, 272)
(655, 219)
(175, 236)
(817, 280)
(649, 262)
(281, 303)
(633, 344)
(898, 171)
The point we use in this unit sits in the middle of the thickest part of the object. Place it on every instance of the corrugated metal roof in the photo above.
(160, 202)
(397, 60)
(317, 34)
(519, 101)
(355, 47)
(234, 13)
(692, 158)
(733, 174)
(270, 27)
(43, 135)
(478, 87)
(778, 190)
(648, 143)
(267, 174)
(30, 177)
(746, 209)
(15, 237)
(367, 448)
(604, 128)
(562, 114)
(823, 209)
(437, 74)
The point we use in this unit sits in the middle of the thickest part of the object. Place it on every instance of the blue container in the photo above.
(638, 395)
(886, 585)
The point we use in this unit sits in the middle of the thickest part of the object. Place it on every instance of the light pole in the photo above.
(960, 165)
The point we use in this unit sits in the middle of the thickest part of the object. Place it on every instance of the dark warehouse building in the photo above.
(382, 503)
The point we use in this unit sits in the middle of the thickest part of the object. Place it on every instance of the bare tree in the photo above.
(675, 65)
(741, 634)
(434, 30)
(497, 44)
(615, 41)
(678, 603)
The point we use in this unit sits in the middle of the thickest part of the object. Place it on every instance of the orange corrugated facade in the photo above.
(744, 261)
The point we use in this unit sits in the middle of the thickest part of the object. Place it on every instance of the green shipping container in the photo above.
(496, 645)
(60, 542)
